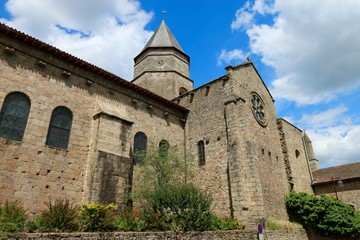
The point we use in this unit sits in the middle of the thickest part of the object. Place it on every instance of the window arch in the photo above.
(182, 91)
(59, 128)
(140, 145)
(297, 153)
(201, 152)
(14, 115)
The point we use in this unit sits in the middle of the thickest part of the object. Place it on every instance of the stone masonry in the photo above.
(106, 118)
(250, 158)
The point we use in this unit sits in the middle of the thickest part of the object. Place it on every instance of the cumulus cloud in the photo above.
(229, 56)
(328, 118)
(314, 49)
(335, 137)
(107, 33)
(263, 6)
(244, 18)
(312, 45)
(336, 145)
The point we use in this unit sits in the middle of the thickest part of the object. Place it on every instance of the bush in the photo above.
(325, 214)
(96, 217)
(162, 165)
(129, 220)
(218, 223)
(178, 208)
(60, 216)
(12, 217)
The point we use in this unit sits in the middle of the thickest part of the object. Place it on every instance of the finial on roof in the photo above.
(163, 14)
(248, 58)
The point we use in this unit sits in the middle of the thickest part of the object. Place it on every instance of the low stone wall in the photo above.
(215, 235)
(286, 235)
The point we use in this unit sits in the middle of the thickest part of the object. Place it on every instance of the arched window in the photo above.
(182, 91)
(140, 144)
(14, 115)
(297, 153)
(59, 128)
(201, 152)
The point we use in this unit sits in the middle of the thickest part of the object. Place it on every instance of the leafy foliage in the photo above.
(129, 220)
(326, 214)
(162, 165)
(12, 217)
(96, 217)
(60, 216)
(218, 223)
(178, 208)
(169, 203)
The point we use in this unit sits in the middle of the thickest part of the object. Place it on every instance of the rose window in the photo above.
(258, 109)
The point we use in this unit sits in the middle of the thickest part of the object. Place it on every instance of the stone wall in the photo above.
(260, 148)
(216, 235)
(244, 168)
(296, 164)
(206, 123)
(106, 116)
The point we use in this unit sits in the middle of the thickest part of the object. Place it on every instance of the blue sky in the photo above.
(307, 52)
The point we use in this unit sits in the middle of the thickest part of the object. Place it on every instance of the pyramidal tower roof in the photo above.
(163, 37)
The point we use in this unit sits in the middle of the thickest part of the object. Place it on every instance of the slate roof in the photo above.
(29, 40)
(346, 171)
(163, 37)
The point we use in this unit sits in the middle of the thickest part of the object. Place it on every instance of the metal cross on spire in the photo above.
(163, 14)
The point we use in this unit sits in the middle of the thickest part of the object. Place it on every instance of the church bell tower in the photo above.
(162, 66)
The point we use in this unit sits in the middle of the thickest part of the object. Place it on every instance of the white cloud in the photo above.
(107, 33)
(229, 56)
(263, 6)
(335, 137)
(243, 18)
(327, 118)
(336, 145)
(312, 45)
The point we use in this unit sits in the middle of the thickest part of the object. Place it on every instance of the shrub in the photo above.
(129, 220)
(179, 208)
(219, 223)
(12, 217)
(325, 214)
(162, 165)
(96, 217)
(60, 216)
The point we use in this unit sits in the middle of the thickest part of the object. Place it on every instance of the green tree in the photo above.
(163, 165)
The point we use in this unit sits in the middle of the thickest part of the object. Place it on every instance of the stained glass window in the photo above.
(14, 115)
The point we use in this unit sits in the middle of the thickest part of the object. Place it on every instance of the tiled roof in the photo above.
(346, 171)
(29, 40)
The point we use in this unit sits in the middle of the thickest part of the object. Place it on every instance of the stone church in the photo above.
(68, 128)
